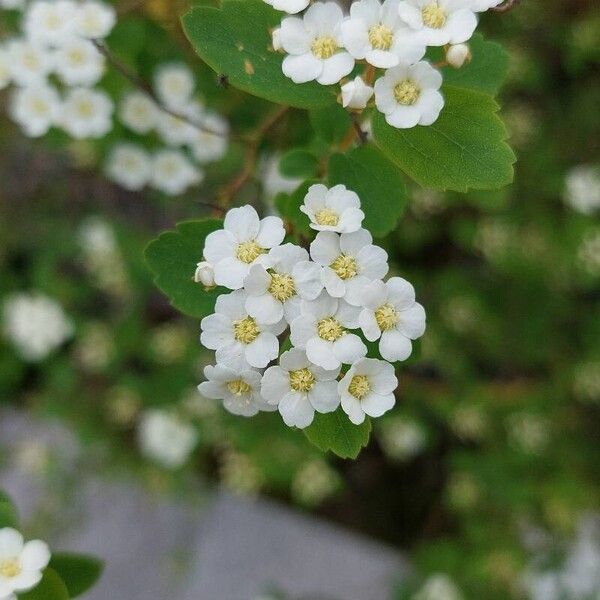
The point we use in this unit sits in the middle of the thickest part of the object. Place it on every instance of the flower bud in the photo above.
(205, 274)
(277, 39)
(458, 55)
(356, 94)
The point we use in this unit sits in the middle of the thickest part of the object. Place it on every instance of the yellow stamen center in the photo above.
(434, 16)
(406, 92)
(10, 568)
(324, 47)
(282, 286)
(381, 37)
(386, 317)
(39, 107)
(359, 386)
(345, 266)
(85, 109)
(76, 57)
(326, 216)
(302, 380)
(330, 329)
(248, 252)
(238, 387)
(245, 330)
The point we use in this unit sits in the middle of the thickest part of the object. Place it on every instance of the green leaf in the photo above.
(79, 572)
(334, 432)
(173, 256)
(9, 516)
(235, 41)
(465, 148)
(377, 181)
(299, 163)
(487, 70)
(331, 124)
(51, 587)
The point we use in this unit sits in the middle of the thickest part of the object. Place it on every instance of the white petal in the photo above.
(410, 14)
(323, 17)
(403, 117)
(400, 292)
(366, 11)
(368, 324)
(333, 284)
(336, 67)
(412, 321)
(216, 331)
(275, 384)
(351, 406)
(231, 273)
(242, 223)
(296, 410)
(351, 220)
(293, 36)
(257, 281)
(324, 396)
(373, 262)
(218, 246)
(394, 346)
(307, 276)
(11, 543)
(354, 290)
(321, 353)
(352, 243)
(426, 76)
(375, 293)
(240, 406)
(231, 305)
(382, 59)
(325, 247)
(262, 350)
(293, 360)
(430, 104)
(271, 232)
(302, 68)
(265, 308)
(385, 380)
(292, 308)
(355, 37)
(460, 26)
(302, 329)
(375, 405)
(323, 306)
(233, 356)
(213, 390)
(348, 349)
(35, 556)
(348, 315)
(286, 257)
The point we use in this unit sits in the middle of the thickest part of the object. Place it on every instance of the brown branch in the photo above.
(363, 136)
(506, 6)
(146, 88)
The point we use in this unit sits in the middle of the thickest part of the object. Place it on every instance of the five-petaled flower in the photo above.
(336, 209)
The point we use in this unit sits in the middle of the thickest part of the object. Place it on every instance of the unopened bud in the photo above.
(356, 94)
(458, 55)
(277, 39)
(205, 274)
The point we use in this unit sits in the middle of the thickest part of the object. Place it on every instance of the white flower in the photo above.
(165, 438)
(94, 20)
(367, 388)
(50, 22)
(86, 113)
(298, 388)
(408, 95)
(36, 325)
(438, 586)
(176, 131)
(273, 181)
(277, 292)
(12, 4)
(77, 62)
(582, 189)
(349, 261)
(239, 339)
(336, 209)
(376, 33)
(239, 390)
(356, 94)
(35, 108)
(244, 240)
(29, 62)
(391, 313)
(174, 85)
(322, 329)
(21, 564)
(314, 45)
(439, 22)
(138, 112)
(289, 6)
(5, 76)
(205, 274)
(209, 144)
(457, 55)
(129, 165)
(173, 173)
(483, 5)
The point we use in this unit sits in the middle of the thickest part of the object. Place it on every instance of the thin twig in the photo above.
(363, 136)
(251, 155)
(144, 87)
(506, 6)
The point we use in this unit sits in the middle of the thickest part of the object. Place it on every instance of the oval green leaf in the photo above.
(78, 572)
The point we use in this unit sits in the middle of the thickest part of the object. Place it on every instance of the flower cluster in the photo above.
(54, 66)
(324, 44)
(190, 135)
(56, 69)
(324, 297)
(21, 564)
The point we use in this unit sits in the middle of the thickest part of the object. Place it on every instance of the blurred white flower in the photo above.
(401, 439)
(174, 85)
(129, 165)
(12, 4)
(173, 172)
(50, 22)
(356, 94)
(36, 325)
(175, 131)
(165, 438)
(86, 113)
(5, 75)
(582, 189)
(35, 108)
(438, 586)
(138, 112)
(273, 181)
(588, 253)
(21, 563)
(94, 20)
(205, 145)
(77, 62)
(29, 62)
(314, 482)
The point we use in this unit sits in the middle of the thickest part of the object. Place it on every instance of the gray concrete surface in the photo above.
(227, 549)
